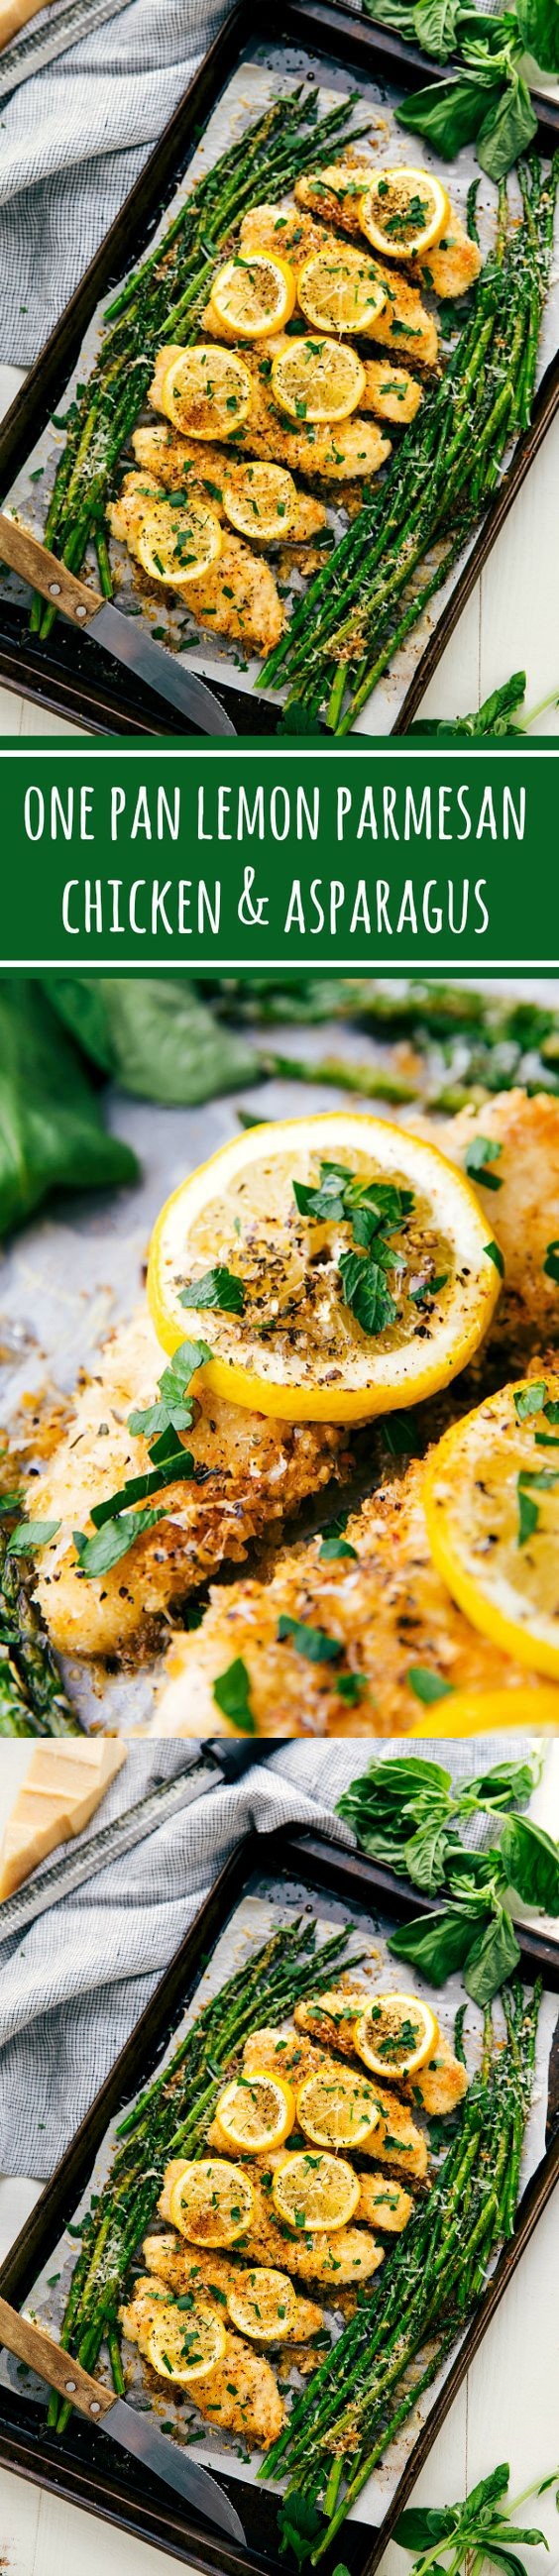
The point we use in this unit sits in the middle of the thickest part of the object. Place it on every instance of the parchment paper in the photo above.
(263, 1908)
(264, 69)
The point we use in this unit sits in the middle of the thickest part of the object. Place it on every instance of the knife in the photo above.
(137, 2433)
(119, 635)
(220, 1766)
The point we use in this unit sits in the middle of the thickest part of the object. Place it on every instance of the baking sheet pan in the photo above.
(308, 36)
(300, 1870)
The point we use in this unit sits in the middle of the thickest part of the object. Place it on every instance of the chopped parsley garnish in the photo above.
(427, 1685)
(97, 1555)
(494, 1254)
(29, 1535)
(231, 1693)
(481, 1151)
(218, 1287)
(313, 1643)
(551, 1263)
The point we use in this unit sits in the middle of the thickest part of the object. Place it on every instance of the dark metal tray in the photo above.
(71, 676)
(85, 2467)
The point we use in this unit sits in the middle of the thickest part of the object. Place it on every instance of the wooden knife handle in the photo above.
(14, 15)
(26, 555)
(61, 2371)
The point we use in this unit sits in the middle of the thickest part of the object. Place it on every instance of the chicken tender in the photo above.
(249, 1469)
(383, 2203)
(340, 2259)
(404, 325)
(524, 1212)
(206, 481)
(352, 447)
(436, 2087)
(237, 596)
(391, 392)
(240, 2393)
(441, 2084)
(207, 2272)
(452, 267)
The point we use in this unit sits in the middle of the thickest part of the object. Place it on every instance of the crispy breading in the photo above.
(337, 2259)
(441, 2084)
(452, 267)
(237, 596)
(205, 469)
(523, 1212)
(351, 447)
(436, 2087)
(207, 2272)
(241, 2393)
(297, 235)
(249, 1470)
(397, 2140)
(390, 392)
(271, 2052)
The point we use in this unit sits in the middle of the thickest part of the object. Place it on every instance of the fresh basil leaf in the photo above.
(551, 1263)
(529, 1399)
(532, 1862)
(392, 13)
(488, 2490)
(29, 1535)
(365, 1292)
(173, 1409)
(418, 2527)
(449, 113)
(435, 24)
(427, 1686)
(155, 1035)
(299, 2525)
(480, 1152)
(539, 25)
(435, 1943)
(401, 1435)
(507, 130)
(97, 1555)
(313, 1643)
(493, 1957)
(426, 1856)
(528, 1515)
(324, 1199)
(136, 1489)
(51, 1124)
(506, 1783)
(231, 1692)
(218, 1287)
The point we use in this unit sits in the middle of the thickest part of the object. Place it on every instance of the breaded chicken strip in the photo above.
(249, 1469)
(240, 2393)
(269, 2052)
(390, 392)
(236, 597)
(449, 269)
(353, 447)
(436, 2087)
(207, 470)
(343, 2258)
(207, 2272)
(404, 325)
(524, 1211)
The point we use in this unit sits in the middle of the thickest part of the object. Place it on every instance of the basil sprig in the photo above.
(407, 1814)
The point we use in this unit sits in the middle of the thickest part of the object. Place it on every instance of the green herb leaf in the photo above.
(173, 1409)
(51, 1123)
(97, 1555)
(436, 1943)
(427, 1685)
(366, 1293)
(507, 130)
(531, 1860)
(551, 1263)
(529, 1399)
(218, 1287)
(313, 1643)
(494, 1254)
(231, 1692)
(539, 25)
(480, 1152)
(493, 1957)
(335, 1546)
(137, 1488)
(29, 1535)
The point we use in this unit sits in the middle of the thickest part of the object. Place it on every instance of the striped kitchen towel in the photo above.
(73, 139)
(73, 1984)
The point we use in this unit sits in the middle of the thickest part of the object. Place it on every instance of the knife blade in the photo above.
(221, 1765)
(137, 2434)
(119, 635)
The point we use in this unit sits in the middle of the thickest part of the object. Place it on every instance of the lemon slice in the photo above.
(492, 1510)
(206, 392)
(335, 2109)
(404, 212)
(482, 1712)
(317, 380)
(261, 500)
(314, 2191)
(212, 2202)
(176, 544)
(185, 2344)
(338, 290)
(256, 2111)
(263, 2305)
(395, 2035)
(275, 1307)
(254, 295)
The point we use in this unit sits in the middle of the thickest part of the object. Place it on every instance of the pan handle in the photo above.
(61, 2371)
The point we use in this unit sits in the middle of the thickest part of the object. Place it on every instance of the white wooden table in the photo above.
(510, 623)
(506, 2410)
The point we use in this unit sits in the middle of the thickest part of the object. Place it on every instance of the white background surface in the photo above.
(506, 2410)
(510, 622)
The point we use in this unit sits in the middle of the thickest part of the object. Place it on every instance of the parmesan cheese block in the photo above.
(61, 1790)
